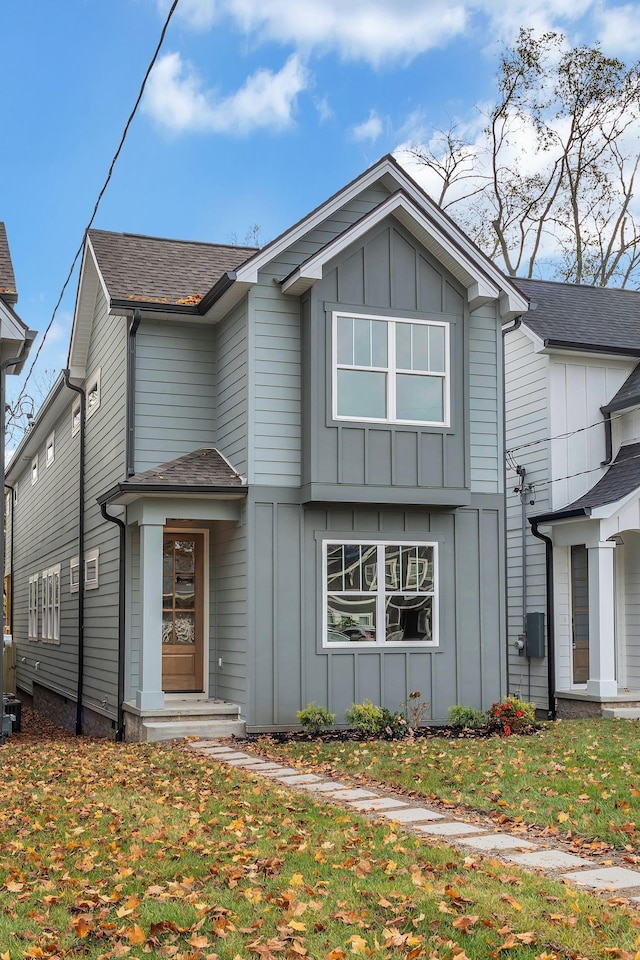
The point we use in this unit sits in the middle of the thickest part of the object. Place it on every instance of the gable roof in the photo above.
(628, 395)
(569, 315)
(621, 479)
(138, 268)
(8, 291)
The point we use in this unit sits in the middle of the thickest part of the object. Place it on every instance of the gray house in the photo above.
(270, 476)
(573, 431)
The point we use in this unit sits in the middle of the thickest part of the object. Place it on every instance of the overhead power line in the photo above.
(100, 195)
(561, 436)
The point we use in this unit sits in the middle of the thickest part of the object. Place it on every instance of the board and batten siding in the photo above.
(388, 274)
(175, 403)
(275, 353)
(578, 387)
(104, 467)
(289, 668)
(45, 534)
(527, 430)
(486, 431)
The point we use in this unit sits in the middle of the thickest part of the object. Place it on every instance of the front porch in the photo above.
(183, 718)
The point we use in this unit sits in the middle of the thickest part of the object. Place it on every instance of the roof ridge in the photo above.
(147, 236)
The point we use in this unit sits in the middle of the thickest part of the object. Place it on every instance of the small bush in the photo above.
(415, 709)
(466, 717)
(314, 719)
(366, 717)
(511, 715)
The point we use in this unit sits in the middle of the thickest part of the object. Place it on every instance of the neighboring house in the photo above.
(301, 451)
(573, 424)
(15, 342)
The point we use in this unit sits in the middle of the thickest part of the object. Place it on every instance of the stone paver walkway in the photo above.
(436, 825)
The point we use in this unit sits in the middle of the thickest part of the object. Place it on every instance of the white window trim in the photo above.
(34, 470)
(391, 369)
(51, 604)
(380, 593)
(92, 556)
(51, 445)
(76, 409)
(74, 564)
(33, 608)
(93, 383)
(15, 494)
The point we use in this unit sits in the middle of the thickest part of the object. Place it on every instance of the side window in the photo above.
(93, 393)
(91, 569)
(75, 418)
(51, 604)
(34, 470)
(34, 582)
(50, 449)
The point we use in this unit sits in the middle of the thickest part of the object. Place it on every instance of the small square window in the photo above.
(50, 449)
(34, 470)
(75, 418)
(74, 575)
(15, 494)
(91, 569)
(93, 393)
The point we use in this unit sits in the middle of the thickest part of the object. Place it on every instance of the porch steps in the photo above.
(621, 713)
(210, 719)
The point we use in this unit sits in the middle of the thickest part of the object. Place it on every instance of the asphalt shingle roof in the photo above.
(204, 467)
(622, 478)
(628, 394)
(588, 317)
(7, 278)
(152, 269)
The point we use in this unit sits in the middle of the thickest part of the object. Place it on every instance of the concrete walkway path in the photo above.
(464, 834)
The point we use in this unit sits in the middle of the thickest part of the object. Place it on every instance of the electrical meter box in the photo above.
(534, 642)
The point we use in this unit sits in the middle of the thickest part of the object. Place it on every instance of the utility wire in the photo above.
(563, 436)
(100, 195)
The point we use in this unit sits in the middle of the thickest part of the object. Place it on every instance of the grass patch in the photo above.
(142, 851)
(577, 778)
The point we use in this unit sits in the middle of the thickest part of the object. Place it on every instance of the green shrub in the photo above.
(366, 717)
(511, 715)
(314, 718)
(466, 717)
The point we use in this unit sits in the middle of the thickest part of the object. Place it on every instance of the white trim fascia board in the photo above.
(568, 352)
(90, 279)
(11, 326)
(480, 289)
(229, 464)
(538, 342)
(230, 299)
(608, 510)
(385, 168)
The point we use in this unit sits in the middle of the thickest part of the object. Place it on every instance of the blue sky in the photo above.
(257, 111)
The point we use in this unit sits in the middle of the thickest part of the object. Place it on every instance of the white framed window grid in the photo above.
(92, 569)
(74, 575)
(394, 356)
(50, 454)
(394, 581)
(51, 604)
(93, 393)
(75, 417)
(34, 470)
(34, 589)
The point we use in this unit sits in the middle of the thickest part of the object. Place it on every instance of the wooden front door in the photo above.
(183, 613)
(580, 613)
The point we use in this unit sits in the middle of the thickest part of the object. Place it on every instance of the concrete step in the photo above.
(621, 713)
(212, 728)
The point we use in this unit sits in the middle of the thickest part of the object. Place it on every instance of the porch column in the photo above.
(149, 696)
(602, 603)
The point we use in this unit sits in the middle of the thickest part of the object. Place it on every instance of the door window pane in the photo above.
(419, 398)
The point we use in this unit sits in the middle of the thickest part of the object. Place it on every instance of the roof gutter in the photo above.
(551, 633)
(180, 489)
(79, 690)
(591, 347)
(562, 515)
(217, 291)
(153, 306)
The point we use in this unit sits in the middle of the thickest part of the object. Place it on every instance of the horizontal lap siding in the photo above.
(105, 464)
(229, 613)
(289, 668)
(631, 626)
(485, 401)
(175, 391)
(527, 422)
(232, 395)
(45, 534)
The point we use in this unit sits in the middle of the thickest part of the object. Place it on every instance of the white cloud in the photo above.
(620, 30)
(370, 129)
(324, 108)
(176, 99)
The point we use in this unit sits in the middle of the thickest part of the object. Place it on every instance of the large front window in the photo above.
(391, 370)
(380, 593)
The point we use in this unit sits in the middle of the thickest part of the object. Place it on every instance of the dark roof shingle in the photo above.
(570, 314)
(7, 278)
(152, 269)
(204, 467)
(628, 395)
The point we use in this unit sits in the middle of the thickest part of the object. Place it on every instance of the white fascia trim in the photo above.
(90, 275)
(538, 342)
(11, 328)
(608, 510)
(480, 289)
(229, 464)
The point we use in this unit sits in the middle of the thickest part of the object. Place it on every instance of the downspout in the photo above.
(608, 441)
(80, 392)
(10, 362)
(517, 323)
(8, 486)
(522, 473)
(131, 393)
(551, 638)
(121, 617)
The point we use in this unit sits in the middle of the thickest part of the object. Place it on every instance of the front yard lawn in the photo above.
(111, 851)
(578, 778)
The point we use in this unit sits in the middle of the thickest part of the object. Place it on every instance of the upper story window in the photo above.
(34, 470)
(390, 370)
(93, 393)
(75, 417)
(380, 593)
(50, 449)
